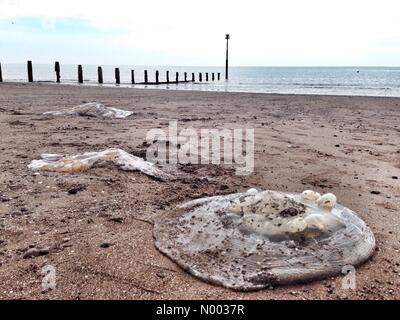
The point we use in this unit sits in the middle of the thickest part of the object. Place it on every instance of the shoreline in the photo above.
(347, 145)
(129, 86)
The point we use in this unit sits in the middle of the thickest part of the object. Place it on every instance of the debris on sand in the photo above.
(116, 219)
(83, 162)
(35, 252)
(375, 192)
(76, 189)
(105, 245)
(254, 240)
(92, 109)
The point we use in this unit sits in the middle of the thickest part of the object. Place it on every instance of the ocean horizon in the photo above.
(360, 81)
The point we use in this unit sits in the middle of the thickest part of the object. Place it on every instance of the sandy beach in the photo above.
(345, 145)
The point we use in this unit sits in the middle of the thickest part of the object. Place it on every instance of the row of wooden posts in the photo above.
(157, 77)
(118, 77)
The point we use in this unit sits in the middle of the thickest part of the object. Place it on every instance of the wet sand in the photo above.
(100, 237)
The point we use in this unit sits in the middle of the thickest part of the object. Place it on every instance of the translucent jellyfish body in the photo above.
(249, 241)
(92, 109)
(83, 162)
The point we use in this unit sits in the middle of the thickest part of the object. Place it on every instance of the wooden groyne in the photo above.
(100, 79)
(186, 78)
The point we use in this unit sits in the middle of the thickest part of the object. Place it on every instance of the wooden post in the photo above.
(185, 76)
(30, 71)
(57, 70)
(213, 76)
(157, 77)
(80, 74)
(200, 77)
(206, 76)
(193, 79)
(219, 76)
(133, 76)
(100, 74)
(167, 76)
(117, 76)
(146, 79)
(1, 74)
(177, 77)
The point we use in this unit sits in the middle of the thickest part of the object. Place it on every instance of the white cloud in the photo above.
(287, 32)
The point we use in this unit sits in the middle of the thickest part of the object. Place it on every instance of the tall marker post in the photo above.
(227, 37)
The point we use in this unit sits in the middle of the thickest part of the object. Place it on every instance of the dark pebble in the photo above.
(375, 192)
(105, 245)
(75, 190)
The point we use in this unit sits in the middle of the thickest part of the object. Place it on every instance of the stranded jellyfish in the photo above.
(91, 109)
(83, 162)
(252, 240)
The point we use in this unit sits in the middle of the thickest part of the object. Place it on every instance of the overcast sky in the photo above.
(185, 32)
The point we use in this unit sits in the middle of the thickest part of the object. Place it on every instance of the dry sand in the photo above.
(345, 145)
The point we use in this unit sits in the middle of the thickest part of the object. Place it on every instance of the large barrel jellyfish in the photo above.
(252, 240)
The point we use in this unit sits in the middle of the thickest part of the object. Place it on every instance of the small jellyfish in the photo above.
(296, 225)
(327, 201)
(310, 195)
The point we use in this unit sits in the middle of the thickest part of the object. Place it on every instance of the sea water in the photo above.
(364, 81)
